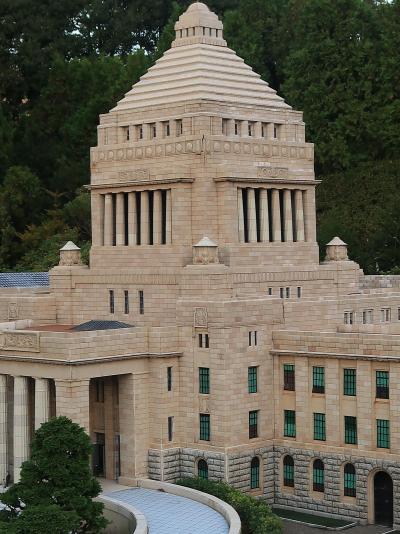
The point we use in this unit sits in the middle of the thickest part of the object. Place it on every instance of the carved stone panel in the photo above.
(21, 341)
(200, 318)
(13, 311)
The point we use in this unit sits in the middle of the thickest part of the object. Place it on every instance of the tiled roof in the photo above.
(24, 279)
(100, 325)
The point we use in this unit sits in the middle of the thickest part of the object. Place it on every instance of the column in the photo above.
(251, 215)
(157, 218)
(120, 219)
(240, 216)
(109, 427)
(144, 218)
(132, 238)
(21, 424)
(244, 126)
(270, 130)
(108, 220)
(168, 222)
(159, 130)
(264, 218)
(299, 210)
(276, 216)
(309, 221)
(72, 400)
(146, 132)
(42, 401)
(257, 129)
(287, 209)
(97, 202)
(3, 430)
(230, 128)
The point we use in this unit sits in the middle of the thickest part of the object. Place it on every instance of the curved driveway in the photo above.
(169, 514)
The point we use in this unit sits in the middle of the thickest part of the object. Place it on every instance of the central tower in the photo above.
(201, 146)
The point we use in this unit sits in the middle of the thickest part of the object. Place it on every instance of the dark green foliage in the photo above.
(63, 63)
(56, 483)
(255, 515)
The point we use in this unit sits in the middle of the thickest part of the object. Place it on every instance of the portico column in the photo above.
(21, 424)
(258, 129)
(168, 222)
(42, 401)
(264, 218)
(240, 216)
(298, 201)
(244, 129)
(3, 430)
(309, 209)
(108, 220)
(132, 240)
(251, 215)
(276, 216)
(230, 128)
(144, 218)
(97, 202)
(287, 207)
(157, 218)
(120, 220)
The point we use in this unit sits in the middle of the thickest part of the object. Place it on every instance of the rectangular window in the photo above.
(99, 390)
(251, 129)
(253, 424)
(140, 131)
(252, 379)
(299, 292)
(385, 315)
(288, 377)
(398, 314)
(319, 427)
(169, 378)
(253, 338)
(348, 317)
(126, 302)
(368, 316)
(237, 127)
(179, 127)
(153, 130)
(350, 430)
(204, 380)
(349, 382)
(126, 133)
(264, 129)
(288, 473)
(282, 292)
(204, 341)
(141, 302)
(170, 428)
(112, 301)
(382, 384)
(318, 380)
(383, 434)
(167, 129)
(270, 291)
(205, 426)
(289, 427)
(276, 131)
(350, 481)
(288, 292)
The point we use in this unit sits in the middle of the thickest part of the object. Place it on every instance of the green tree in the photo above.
(57, 476)
(42, 519)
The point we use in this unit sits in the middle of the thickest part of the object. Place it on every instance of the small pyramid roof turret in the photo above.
(200, 66)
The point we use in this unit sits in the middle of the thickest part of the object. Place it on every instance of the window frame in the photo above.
(382, 439)
(350, 430)
(202, 468)
(350, 382)
(255, 473)
(319, 427)
(318, 372)
(289, 423)
(170, 428)
(289, 370)
(253, 424)
(205, 427)
(111, 301)
(383, 390)
(318, 476)
(288, 471)
(252, 379)
(349, 480)
(204, 380)
(169, 378)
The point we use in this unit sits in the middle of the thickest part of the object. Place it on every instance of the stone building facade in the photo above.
(206, 337)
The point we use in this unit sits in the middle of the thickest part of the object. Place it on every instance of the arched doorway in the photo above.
(383, 498)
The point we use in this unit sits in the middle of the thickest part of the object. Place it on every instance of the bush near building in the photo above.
(256, 516)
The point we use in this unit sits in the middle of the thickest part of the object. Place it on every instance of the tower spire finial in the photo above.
(199, 25)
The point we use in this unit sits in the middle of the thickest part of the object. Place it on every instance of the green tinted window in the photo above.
(350, 430)
(252, 379)
(289, 429)
(383, 434)
(349, 382)
(319, 427)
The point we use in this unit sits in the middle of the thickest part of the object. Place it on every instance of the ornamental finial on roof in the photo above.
(199, 25)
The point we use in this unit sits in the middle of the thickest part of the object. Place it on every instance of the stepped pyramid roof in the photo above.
(200, 66)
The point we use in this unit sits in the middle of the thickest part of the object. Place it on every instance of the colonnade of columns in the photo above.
(266, 215)
(21, 419)
(257, 129)
(135, 218)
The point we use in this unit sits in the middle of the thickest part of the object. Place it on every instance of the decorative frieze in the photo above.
(200, 318)
(21, 341)
(13, 311)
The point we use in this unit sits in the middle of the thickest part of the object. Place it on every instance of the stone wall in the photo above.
(239, 470)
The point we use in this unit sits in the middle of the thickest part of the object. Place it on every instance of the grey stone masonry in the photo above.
(215, 462)
(332, 501)
(239, 470)
(164, 465)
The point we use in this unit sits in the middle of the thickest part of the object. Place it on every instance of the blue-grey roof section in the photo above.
(90, 326)
(24, 279)
(171, 514)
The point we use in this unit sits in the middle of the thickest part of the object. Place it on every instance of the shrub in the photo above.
(256, 516)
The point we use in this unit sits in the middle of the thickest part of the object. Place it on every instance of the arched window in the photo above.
(349, 480)
(288, 471)
(318, 476)
(202, 469)
(255, 473)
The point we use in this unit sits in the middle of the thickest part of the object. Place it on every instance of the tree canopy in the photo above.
(56, 489)
(68, 61)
